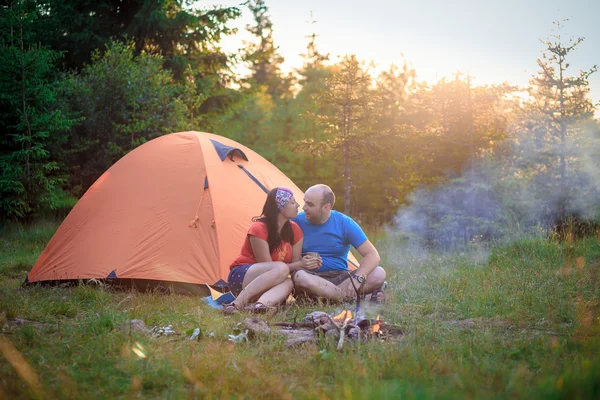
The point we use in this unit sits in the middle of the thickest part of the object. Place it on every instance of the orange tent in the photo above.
(173, 212)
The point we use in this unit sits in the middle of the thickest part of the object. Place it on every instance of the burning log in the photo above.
(354, 333)
(392, 330)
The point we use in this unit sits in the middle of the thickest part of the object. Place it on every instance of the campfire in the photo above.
(343, 327)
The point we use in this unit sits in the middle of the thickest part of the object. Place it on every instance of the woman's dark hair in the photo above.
(269, 216)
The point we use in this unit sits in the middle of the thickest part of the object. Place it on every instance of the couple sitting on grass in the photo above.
(275, 244)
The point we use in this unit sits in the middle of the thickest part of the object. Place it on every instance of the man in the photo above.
(331, 233)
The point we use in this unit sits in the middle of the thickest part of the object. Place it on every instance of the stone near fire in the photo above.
(255, 326)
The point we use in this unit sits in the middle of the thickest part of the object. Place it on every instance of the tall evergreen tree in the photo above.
(307, 164)
(555, 118)
(265, 61)
(313, 72)
(32, 127)
(387, 176)
(349, 128)
(261, 118)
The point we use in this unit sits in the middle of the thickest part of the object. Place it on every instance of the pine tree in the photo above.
(560, 105)
(33, 128)
(313, 72)
(349, 127)
(387, 177)
(265, 61)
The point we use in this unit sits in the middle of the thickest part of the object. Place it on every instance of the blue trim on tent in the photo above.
(206, 182)
(254, 179)
(112, 275)
(223, 151)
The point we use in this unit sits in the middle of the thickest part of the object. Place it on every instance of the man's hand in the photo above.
(310, 263)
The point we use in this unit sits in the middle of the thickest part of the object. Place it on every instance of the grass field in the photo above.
(521, 323)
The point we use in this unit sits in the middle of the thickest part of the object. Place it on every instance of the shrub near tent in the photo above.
(174, 211)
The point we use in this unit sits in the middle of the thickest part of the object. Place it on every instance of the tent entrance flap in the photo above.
(225, 151)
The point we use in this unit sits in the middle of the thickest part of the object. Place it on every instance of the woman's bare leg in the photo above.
(260, 278)
(277, 294)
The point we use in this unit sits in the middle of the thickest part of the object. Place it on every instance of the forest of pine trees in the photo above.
(84, 83)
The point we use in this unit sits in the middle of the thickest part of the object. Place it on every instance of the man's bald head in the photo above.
(324, 193)
(318, 201)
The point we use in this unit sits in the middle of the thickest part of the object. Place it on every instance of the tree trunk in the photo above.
(347, 163)
(563, 145)
(346, 181)
(471, 133)
(471, 144)
(24, 105)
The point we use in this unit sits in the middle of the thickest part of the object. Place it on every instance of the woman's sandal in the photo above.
(259, 308)
(229, 309)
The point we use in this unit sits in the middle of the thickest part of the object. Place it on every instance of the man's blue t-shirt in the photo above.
(332, 239)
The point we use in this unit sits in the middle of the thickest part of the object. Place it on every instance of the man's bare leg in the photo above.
(316, 286)
(373, 282)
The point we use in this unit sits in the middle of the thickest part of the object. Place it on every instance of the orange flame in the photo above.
(375, 328)
(344, 316)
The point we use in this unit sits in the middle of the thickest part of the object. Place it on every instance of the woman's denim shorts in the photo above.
(236, 278)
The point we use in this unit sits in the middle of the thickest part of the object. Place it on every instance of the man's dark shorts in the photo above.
(335, 277)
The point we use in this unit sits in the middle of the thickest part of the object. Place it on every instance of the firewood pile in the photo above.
(344, 327)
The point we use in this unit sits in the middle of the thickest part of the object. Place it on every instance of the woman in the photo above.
(272, 250)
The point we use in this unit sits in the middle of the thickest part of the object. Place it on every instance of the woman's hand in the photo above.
(309, 263)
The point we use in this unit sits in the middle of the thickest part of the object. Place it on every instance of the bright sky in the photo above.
(493, 40)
